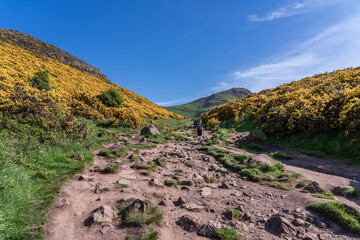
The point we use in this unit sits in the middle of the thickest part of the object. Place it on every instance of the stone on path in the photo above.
(104, 214)
(189, 223)
(150, 130)
(205, 191)
(280, 224)
(261, 159)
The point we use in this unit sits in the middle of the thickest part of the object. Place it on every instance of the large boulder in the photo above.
(279, 224)
(261, 159)
(150, 130)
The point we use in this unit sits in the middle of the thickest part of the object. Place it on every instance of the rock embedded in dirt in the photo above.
(150, 130)
(298, 222)
(205, 191)
(314, 187)
(181, 200)
(103, 214)
(123, 182)
(192, 207)
(137, 139)
(166, 203)
(82, 185)
(116, 146)
(106, 228)
(185, 188)
(279, 224)
(189, 223)
(156, 182)
(225, 185)
(261, 159)
(83, 177)
(310, 236)
(62, 202)
(209, 229)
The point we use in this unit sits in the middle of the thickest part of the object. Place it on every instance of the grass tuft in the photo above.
(339, 213)
(228, 234)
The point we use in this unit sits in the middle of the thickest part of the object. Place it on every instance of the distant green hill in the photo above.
(195, 108)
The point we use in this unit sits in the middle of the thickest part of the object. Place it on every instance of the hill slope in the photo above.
(311, 106)
(195, 108)
(75, 84)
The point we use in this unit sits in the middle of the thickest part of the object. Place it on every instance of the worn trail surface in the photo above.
(68, 217)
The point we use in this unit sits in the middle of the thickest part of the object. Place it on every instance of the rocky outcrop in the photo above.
(279, 224)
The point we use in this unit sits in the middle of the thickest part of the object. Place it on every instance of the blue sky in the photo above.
(174, 51)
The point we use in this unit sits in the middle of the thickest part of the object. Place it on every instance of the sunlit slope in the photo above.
(74, 90)
(314, 105)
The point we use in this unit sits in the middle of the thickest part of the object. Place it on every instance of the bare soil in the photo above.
(78, 199)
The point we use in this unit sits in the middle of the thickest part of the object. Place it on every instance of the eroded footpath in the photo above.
(195, 194)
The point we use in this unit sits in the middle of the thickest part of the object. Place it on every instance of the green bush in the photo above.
(340, 213)
(41, 80)
(111, 98)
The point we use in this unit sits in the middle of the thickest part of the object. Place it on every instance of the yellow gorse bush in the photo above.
(310, 106)
(74, 90)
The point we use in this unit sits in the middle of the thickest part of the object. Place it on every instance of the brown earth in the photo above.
(256, 203)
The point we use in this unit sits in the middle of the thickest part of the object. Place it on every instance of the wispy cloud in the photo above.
(292, 9)
(176, 101)
(336, 47)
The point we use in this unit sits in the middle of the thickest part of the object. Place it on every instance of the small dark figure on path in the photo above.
(199, 130)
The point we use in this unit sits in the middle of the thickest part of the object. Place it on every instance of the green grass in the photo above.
(339, 213)
(352, 192)
(279, 155)
(31, 174)
(326, 145)
(207, 205)
(228, 234)
(273, 175)
(114, 168)
(325, 194)
(136, 218)
(236, 213)
(114, 153)
(170, 183)
(251, 146)
(301, 184)
(151, 235)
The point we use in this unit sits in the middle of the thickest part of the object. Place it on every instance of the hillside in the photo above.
(75, 84)
(323, 104)
(202, 105)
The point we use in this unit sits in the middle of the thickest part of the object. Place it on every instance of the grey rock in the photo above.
(150, 130)
(205, 191)
(104, 214)
(189, 223)
(279, 225)
(209, 229)
(77, 157)
(314, 187)
(298, 222)
(138, 139)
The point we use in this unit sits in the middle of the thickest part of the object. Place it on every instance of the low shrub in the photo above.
(228, 234)
(41, 81)
(111, 98)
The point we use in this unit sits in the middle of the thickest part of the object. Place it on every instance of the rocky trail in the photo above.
(195, 195)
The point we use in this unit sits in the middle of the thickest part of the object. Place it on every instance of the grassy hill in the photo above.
(325, 109)
(75, 84)
(202, 105)
(53, 106)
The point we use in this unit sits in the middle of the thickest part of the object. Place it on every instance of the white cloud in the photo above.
(292, 9)
(335, 48)
(176, 101)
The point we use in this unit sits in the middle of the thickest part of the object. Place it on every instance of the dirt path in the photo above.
(68, 217)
